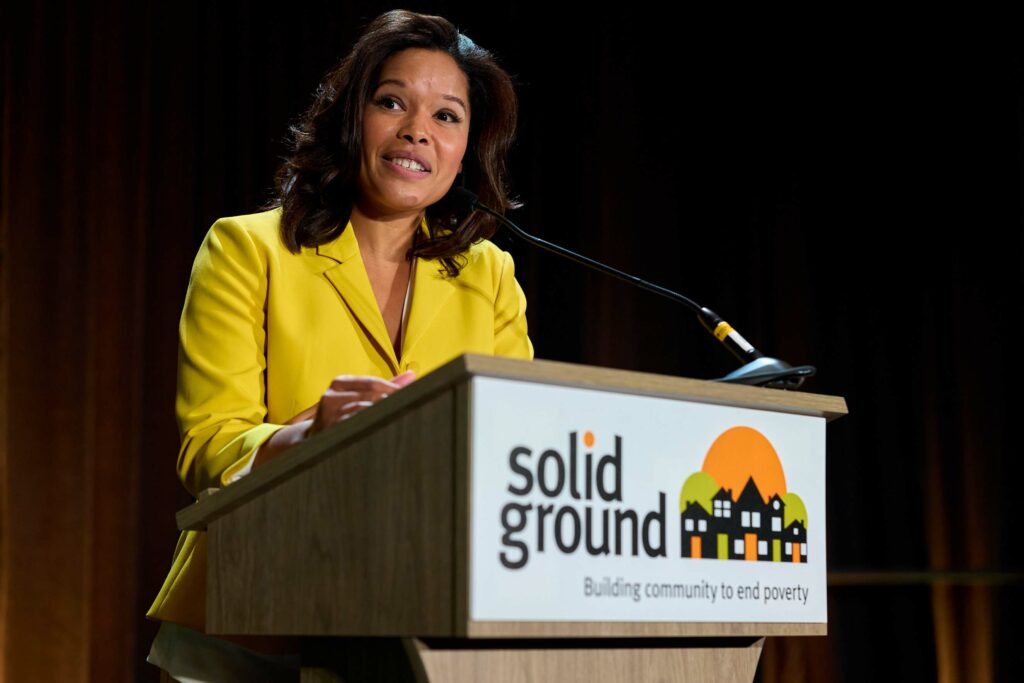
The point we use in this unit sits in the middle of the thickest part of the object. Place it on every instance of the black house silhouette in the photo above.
(745, 529)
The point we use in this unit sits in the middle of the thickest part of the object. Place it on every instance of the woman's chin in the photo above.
(398, 205)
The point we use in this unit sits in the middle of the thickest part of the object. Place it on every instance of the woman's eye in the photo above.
(448, 116)
(387, 102)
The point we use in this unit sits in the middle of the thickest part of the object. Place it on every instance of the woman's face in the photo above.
(415, 129)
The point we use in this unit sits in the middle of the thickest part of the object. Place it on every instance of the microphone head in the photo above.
(464, 197)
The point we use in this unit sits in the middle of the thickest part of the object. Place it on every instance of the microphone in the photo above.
(757, 369)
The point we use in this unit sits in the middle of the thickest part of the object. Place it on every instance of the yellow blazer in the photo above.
(264, 331)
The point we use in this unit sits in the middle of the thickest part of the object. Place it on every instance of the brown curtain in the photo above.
(851, 203)
(92, 266)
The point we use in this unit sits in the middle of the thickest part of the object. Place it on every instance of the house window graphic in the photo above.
(764, 522)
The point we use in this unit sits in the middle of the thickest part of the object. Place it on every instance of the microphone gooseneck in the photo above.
(757, 369)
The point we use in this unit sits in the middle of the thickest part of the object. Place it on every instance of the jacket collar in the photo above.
(341, 263)
(343, 248)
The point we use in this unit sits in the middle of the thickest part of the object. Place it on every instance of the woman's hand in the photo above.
(349, 394)
(345, 396)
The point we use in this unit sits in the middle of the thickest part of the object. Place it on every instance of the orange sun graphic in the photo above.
(740, 453)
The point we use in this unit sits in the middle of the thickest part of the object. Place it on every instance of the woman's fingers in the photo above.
(366, 384)
(404, 379)
(350, 409)
(368, 388)
(372, 395)
(348, 394)
(337, 405)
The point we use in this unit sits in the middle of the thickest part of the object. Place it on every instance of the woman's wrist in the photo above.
(281, 440)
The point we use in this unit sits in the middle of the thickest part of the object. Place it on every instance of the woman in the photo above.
(363, 270)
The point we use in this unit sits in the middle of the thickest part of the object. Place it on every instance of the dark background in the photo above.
(848, 195)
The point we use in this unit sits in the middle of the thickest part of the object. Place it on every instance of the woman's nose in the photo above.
(414, 128)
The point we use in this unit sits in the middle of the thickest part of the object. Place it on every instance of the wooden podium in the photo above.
(360, 541)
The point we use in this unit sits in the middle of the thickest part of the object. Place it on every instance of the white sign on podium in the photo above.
(598, 506)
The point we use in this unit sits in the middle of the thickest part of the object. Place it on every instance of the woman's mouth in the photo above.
(410, 164)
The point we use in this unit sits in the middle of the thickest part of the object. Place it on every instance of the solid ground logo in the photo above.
(737, 507)
(573, 499)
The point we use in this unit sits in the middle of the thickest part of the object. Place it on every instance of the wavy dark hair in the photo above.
(316, 185)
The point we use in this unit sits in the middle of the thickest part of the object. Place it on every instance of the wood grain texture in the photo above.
(313, 451)
(409, 660)
(710, 663)
(371, 526)
(463, 428)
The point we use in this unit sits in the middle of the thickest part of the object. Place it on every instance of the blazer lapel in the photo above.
(342, 264)
(430, 293)
(348, 276)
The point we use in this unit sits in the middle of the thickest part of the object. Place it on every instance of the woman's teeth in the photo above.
(408, 163)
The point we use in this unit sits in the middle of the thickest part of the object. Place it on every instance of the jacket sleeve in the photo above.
(221, 398)
(510, 334)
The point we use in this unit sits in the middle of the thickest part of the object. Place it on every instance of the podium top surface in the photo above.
(646, 384)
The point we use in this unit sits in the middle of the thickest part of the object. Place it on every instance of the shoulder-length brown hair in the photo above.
(316, 185)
